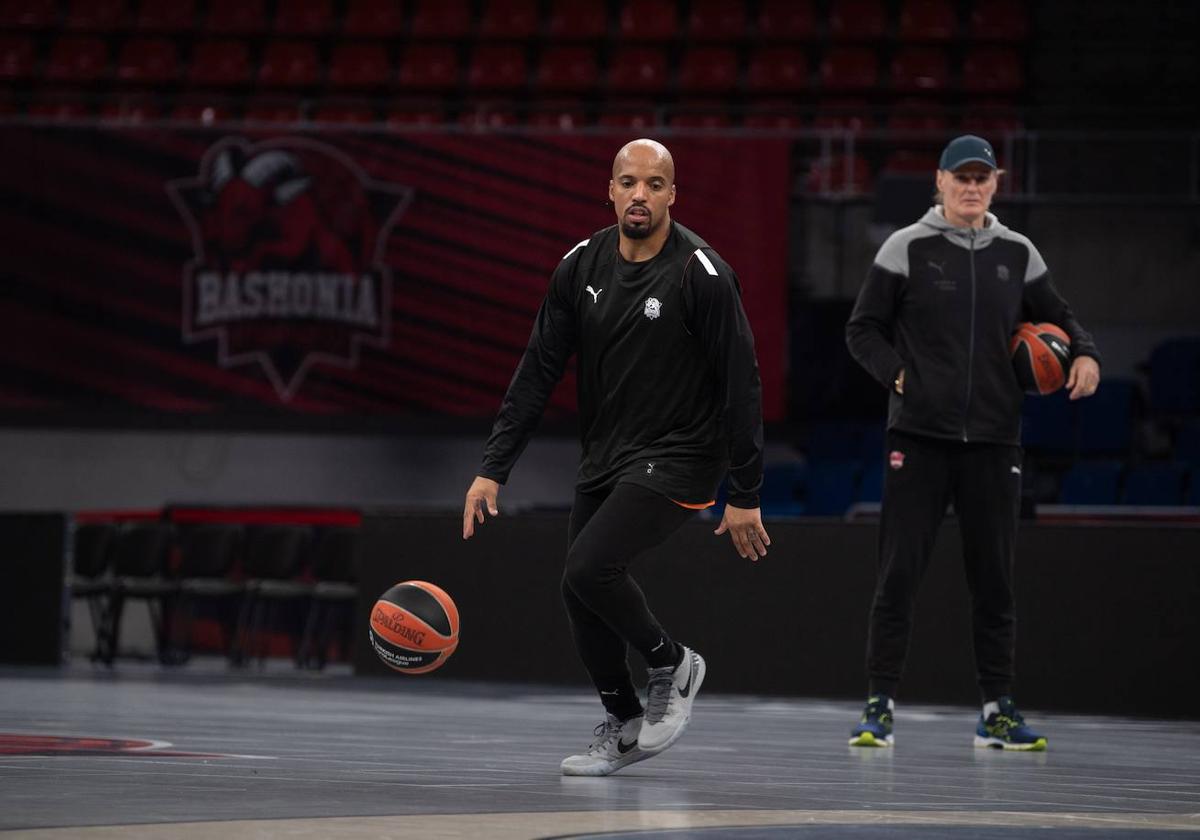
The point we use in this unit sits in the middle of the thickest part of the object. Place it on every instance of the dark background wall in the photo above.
(1106, 616)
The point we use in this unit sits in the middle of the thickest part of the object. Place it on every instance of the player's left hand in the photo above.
(745, 527)
(1084, 377)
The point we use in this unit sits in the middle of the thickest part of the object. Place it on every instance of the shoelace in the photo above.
(605, 732)
(879, 711)
(658, 693)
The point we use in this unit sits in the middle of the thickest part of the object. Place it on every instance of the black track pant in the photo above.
(983, 481)
(607, 608)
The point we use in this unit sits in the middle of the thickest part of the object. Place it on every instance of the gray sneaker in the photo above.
(616, 746)
(669, 695)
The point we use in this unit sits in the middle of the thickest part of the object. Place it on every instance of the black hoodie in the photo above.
(942, 302)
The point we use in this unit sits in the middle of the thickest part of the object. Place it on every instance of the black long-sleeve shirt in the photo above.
(942, 302)
(668, 386)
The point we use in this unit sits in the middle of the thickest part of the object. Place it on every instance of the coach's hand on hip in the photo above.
(482, 490)
(745, 527)
(1084, 377)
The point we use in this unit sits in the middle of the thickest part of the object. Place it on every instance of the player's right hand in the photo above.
(482, 491)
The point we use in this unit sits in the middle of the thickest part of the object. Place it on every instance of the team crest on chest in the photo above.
(653, 308)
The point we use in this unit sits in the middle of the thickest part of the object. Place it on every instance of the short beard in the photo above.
(636, 232)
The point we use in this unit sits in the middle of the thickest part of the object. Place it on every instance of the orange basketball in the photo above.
(1041, 356)
(414, 627)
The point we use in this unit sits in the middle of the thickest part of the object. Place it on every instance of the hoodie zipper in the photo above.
(971, 341)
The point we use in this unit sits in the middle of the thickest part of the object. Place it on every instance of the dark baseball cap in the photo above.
(967, 149)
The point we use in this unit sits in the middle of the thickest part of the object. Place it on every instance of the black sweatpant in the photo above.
(923, 475)
(607, 608)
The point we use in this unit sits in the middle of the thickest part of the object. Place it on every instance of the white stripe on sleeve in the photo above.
(708, 266)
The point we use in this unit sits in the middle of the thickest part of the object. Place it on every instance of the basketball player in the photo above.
(669, 404)
(932, 324)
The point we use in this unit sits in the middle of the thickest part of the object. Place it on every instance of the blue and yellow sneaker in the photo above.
(875, 728)
(1005, 729)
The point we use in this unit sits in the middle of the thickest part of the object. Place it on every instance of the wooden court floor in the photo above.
(201, 753)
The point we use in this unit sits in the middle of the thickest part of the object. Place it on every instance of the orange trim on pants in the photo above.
(697, 505)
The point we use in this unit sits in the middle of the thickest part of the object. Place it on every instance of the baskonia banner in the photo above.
(300, 275)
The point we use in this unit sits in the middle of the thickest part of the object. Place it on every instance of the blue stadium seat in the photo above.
(1154, 484)
(870, 486)
(1175, 377)
(1193, 492)
(780, 495)
(1187, 443)
(1048, 424)
(1091, 483)
(829, 486)
(1105, 419)
(845, 439)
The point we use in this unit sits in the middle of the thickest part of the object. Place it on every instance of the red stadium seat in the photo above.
(304, 17)
(16, 58)
(203, 111)
(220, 63)
(166, 15)
(357, 66)
(924, 69)
(567, 69)
(712, 69)
(415, 116)
(639, 69)
(992, 70)
(781, 114)
(990, 117)
(77, 60)
(716, 20)
(629, 115)
(272, 111)
(498, 68)
(28, 14)
(788, 20)
(429, 68)
(130, 110)
(148, 60)
(928, 20)
(777, 70)
(435, 19)
(564, 116)
(918, 115)
(700, 114)
(346, 113)
(240, 17)
(509, 20)
(97, 15)
(572, 20)
(289, 64)
(373, 18)
(999, 20)
(487, 115)
(846, 114)
(849, 68)
(648, 20)
(59, 106)
(857, 20)
(910, 162)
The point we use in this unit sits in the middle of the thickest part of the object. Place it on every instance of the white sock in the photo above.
(991, 707)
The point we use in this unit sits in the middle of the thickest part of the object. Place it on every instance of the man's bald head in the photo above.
(645, 152)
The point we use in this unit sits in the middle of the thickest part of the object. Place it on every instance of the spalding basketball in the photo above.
(414, 627)
(1041, 355)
